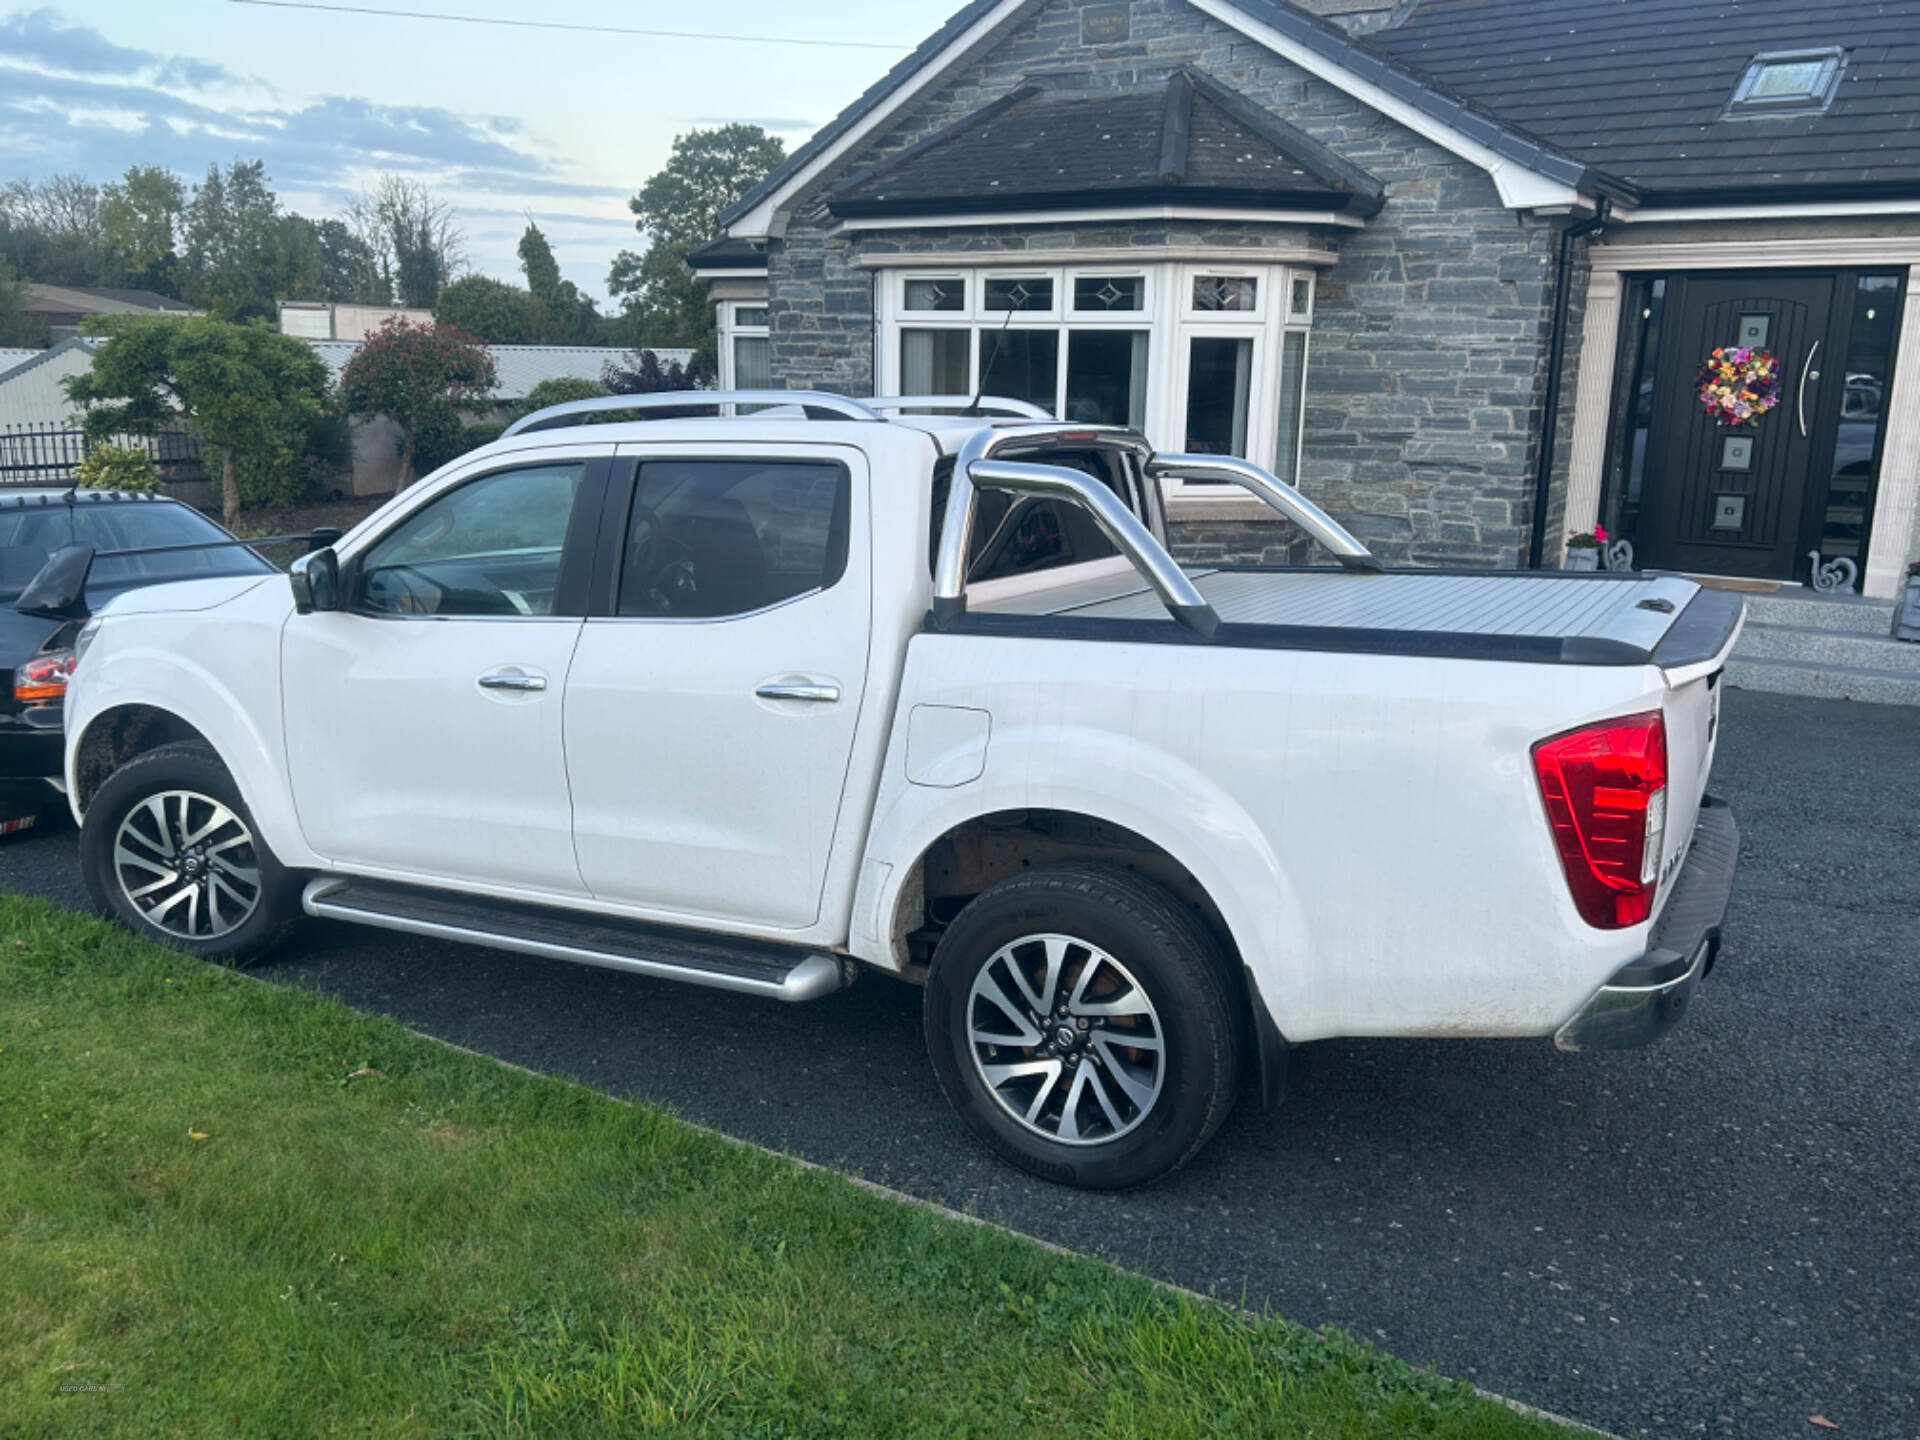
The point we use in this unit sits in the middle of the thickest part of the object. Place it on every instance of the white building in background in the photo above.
(325, 320)
(30, 389)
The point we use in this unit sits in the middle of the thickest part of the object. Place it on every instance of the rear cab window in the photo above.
(1020, 535)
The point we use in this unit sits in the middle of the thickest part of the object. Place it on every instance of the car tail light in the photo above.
(44, 677)
(1605, 788)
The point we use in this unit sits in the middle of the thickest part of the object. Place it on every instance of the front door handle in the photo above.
(512, 680)
(1807, 372)
(812, 691)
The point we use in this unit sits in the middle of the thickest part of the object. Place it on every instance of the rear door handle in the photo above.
(812, 691)
(512, 680)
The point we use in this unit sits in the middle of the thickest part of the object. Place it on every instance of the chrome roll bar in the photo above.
(839, 406)
(1277, 494)
(959, 404)
(975, 467)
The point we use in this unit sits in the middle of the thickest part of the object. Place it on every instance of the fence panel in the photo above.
(49, 454)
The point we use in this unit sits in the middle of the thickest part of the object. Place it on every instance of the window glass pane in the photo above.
(1293, 375)
(491, 547)
(947, 294)
(1109, 292)
(1302, 301)
(935, 362)
(1791, 80)
(1218, 373)
(713, 538)
(752, 363)
(1225, 292)
(748, 317)
(1021, 365)
(1023, 292)
(1863, 409)
(1107, 377)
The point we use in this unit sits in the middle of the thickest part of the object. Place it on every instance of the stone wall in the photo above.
(1427, 361)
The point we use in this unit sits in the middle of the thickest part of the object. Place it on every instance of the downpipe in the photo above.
(1556, 362)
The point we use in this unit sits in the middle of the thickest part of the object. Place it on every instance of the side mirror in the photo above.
(315, 579)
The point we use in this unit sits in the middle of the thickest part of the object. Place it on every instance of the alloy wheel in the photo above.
(1066, 1039)
(187, 863)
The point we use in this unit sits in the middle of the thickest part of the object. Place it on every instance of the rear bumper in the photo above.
(1647, 997)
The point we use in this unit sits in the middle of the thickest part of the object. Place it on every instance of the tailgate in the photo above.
(1693, 658)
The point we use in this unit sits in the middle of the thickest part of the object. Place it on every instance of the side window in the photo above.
(712, 538)
(491, 547)
(1016, 536)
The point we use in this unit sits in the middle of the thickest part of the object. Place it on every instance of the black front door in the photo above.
(1732, 499)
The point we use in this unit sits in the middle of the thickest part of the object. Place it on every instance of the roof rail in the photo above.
(554, 416)
(976, 404)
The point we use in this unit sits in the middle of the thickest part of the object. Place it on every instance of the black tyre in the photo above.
(169, 848)
(1083, 1022)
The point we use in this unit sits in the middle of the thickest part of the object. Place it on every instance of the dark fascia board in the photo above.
(1321, 36)
(1327, 165)
(1780, 193)
(962, 21)
(1306, 201)
(727, 253)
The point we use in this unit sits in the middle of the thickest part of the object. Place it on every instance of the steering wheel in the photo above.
(670, 583)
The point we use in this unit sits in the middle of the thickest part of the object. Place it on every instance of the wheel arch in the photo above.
(116, 735)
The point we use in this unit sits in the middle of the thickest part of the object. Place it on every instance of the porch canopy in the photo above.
(1193, 143)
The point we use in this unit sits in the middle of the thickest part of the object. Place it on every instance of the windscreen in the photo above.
(31, 533)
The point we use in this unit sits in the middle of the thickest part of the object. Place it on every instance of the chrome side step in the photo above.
(747, 967)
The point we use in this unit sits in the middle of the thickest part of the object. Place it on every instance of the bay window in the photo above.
(1202, 359)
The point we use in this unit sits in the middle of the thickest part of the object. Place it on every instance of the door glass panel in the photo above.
(1293, 374)
(491, 547)
(1107, 377)
(935, 362)
(1219, 369)
(713, 538)
(1225, 292)
(1868, 381)
(752, 363)
(1021, 365)
(1632, 461)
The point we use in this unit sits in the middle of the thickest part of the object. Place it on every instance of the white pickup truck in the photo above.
(760, 700)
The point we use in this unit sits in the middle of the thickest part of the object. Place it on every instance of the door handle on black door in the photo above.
(1807, 372)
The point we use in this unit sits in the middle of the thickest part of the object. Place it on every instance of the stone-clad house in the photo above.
(1348, 238)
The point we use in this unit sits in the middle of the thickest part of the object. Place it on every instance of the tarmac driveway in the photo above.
(1714, 1236)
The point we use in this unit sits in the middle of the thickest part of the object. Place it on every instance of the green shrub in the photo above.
(478, 435)
(299, 469)
(557, 391)
(116, 467)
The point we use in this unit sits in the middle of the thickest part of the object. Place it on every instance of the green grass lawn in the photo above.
(233, 1208)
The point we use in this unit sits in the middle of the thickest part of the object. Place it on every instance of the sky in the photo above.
(502, 121)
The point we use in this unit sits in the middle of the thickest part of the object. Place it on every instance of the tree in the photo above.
(50, 230)
(411, 234)
(678, 209)
(343, 265)
(241, 256)
(564, 316)
(246, 389)
(490, 310)
(417, 376)
(139, 220)
(17, 328)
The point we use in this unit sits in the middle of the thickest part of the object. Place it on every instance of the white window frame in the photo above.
(727, 320)
(1166, 315)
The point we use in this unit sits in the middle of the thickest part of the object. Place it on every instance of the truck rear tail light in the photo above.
(1605, 788)
(44, 677)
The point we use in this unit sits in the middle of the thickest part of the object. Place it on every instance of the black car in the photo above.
(134, 540)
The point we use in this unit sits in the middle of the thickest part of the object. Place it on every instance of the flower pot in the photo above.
(1585, 557)
(1906, 619)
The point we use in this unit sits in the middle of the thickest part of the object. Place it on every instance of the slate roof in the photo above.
(1638, 88)
(520, 367)
(38, 299)
(1191, 141)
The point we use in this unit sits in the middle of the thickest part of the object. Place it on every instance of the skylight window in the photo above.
(1787, 83)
